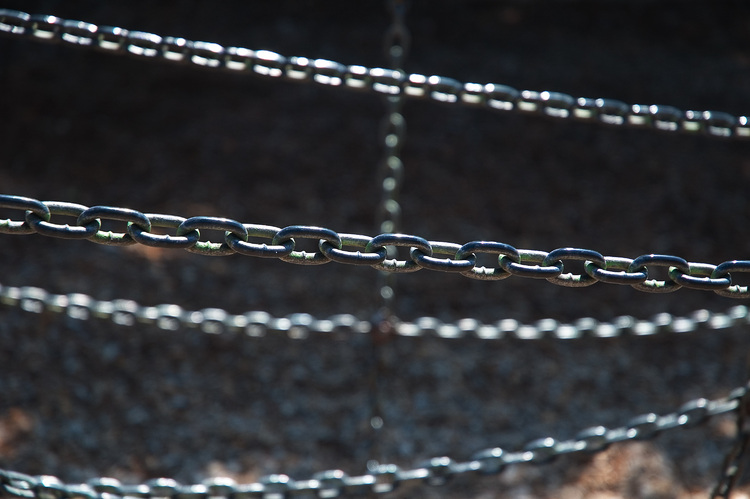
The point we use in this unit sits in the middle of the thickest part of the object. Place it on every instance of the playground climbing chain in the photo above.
(68, 220)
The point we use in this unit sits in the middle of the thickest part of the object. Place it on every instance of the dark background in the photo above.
(88, 399)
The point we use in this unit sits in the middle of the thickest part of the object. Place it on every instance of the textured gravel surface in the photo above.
(83, 399)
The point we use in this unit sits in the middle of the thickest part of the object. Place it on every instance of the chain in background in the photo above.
(381, 478)
(171, 317)
(391, 173)
(734, 461)
(503, 98)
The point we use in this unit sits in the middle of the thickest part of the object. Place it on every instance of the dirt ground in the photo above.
(85, 399)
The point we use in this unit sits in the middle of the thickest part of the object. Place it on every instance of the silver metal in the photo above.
(460, 259)
(394, 82)
(381, 478)
(168, 316)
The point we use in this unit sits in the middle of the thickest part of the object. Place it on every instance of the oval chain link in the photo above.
(211, 55)
(256, 323)
(381, 478)
(461, 259)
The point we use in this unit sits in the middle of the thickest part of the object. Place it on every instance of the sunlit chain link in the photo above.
(393, 133)
(386, 81)
(301, 325)
(382, 478)
(368, 251)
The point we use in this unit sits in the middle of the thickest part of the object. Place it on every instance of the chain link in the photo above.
(301, 325)
(733, 462)
(210, 55)
(535, 264)
(382, 478)
(393, 134)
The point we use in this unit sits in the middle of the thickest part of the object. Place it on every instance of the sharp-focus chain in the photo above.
(172, 317)
(384, 478)
(211, 55)
(369, 251)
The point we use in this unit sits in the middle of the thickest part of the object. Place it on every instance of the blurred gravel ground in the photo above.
(83, 399)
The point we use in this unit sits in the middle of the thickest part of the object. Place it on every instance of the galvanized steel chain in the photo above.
(369, 251)
(171, 317)
(500, 97)
(384, 478)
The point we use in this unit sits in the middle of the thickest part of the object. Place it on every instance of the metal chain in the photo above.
(391, 171)
(732, 466)
(171, 317)
(499, 97)
(369, 251)
(384, 478)
(393, 134)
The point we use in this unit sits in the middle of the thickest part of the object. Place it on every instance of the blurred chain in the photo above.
(172, 317)
(733, 462)
(116, 40)
(383, 478)
(391, 172)
(368, 251)
(393, 134)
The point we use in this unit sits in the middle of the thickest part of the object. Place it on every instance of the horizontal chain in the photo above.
(380, 479)
(211, 55)
(301, 325)
(368, 251)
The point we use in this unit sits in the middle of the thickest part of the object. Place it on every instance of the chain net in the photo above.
(374, 329)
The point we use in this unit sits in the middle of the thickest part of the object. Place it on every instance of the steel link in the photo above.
(398, 240)
(99, 213)
(78, 33)
(14, 22)
(461, 259)
(244, 247)
(148, 238)
(450, 264)
(520, 266)
(699, 277)
(734, 460)
(256, 323)
(45, 27)
(724, 270)
(28, 205)
(46, 228)
(338, 254)
(306, 232)
(573, 280)
(615, 271)
(487, 247)
(212, 223)
(387, 81)
(642, 263)
(380, 478)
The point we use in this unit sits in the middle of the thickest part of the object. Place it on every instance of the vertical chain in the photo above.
(393, 132)
(734, 460)
(391, 171)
